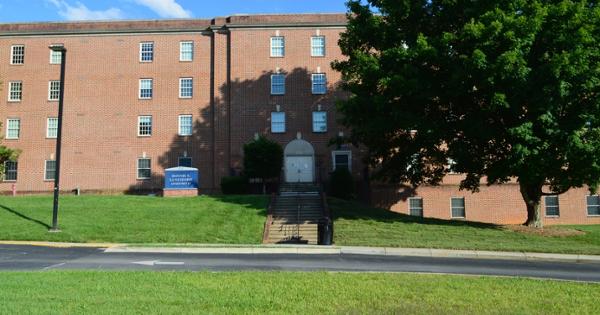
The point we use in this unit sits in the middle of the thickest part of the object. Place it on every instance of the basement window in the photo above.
(552, 207)
(593, 205)
(458, 207)
(415, 207)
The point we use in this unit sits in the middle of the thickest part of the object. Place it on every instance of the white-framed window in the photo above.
(146, 51)
(145, 89)
(52, 128)
(144, 168)
(144, 126)
(551, 206)
(457, 207)
(50, 170)
(319, 83)
(186, 51)
(342, 159)
(13, 128)
(593, 205)
(54, 90)
(55, 57)
(185, 125)
(317, 46)
(319, 120)
(186, 87)
(185, 161)
(278, 84)
(17, 54)
(415, 206)
(15, 91)
(10, 171)
(277, 46)
(277, 122)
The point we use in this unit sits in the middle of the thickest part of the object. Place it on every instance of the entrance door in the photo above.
(299, 169)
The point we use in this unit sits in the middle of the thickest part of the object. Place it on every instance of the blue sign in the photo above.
(181, 178)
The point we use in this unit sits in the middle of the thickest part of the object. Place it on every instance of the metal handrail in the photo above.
(269, 221)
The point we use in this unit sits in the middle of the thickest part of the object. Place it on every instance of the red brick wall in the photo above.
(499, 204)
(100, 143)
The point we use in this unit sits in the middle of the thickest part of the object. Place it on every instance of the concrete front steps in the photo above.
(296, 212)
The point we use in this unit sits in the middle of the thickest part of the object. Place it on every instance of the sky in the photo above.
(73, 10)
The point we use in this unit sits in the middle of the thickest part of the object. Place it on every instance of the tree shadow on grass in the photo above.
(349, 210)
(22, 216)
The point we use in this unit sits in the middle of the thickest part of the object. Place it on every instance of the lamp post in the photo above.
(63, 58)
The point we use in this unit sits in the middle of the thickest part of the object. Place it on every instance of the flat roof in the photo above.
(173, 25)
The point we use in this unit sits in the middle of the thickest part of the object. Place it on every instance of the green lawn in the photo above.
(356, 224)
(83, 292)
(136, 219)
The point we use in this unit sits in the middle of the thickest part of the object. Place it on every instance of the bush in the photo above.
(234, 185)
(341, 184)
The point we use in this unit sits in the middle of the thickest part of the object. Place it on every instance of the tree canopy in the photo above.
(506, 89)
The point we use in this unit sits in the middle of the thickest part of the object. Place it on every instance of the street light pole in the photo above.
(58, 48)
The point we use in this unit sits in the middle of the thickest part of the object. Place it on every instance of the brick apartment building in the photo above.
(143, 96)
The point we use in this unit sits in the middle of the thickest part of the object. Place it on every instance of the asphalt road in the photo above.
(32, 258)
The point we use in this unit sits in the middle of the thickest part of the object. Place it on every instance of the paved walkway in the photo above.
(321, 250)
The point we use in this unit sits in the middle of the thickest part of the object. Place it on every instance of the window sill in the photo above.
(186, 60)
(318, 56)
(48, 180)
(53, 101)
(186, 97)
(552, 216)
(142, 136)
(458, 218)
(593, 215)
(143, 179)
(9, 181)
(278, 56)
(17, 64)
(183, 136)
(15, 101)
(51, 138)
(150, 61)
(9, 139)
(144, 98)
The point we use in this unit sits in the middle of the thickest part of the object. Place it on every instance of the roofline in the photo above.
(197, 25)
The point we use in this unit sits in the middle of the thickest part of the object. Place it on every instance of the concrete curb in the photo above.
(60, 244)
(318, 250)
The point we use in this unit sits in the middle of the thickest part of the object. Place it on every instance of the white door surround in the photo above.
(299, 163)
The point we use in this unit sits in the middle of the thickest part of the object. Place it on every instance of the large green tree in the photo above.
(507, 89)
(263, 158)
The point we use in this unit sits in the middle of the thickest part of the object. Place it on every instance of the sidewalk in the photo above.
(319, 250)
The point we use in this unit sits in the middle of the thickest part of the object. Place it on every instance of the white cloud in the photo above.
(79, 12)
(166, 8)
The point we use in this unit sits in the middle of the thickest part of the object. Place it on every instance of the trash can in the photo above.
(326, 232)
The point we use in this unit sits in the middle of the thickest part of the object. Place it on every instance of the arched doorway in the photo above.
(299, 162)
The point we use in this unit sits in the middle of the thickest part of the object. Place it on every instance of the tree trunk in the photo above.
(532, 195)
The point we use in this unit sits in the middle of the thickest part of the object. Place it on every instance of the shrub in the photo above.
(234, 185)
(341, 184)
(263, 158)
